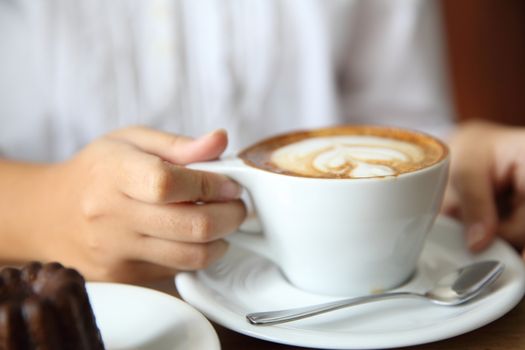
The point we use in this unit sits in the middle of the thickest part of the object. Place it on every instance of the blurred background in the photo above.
(486, 51)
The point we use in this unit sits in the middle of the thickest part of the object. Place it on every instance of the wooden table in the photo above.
(506, 333)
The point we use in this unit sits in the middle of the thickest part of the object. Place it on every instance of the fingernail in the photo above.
(475, 234)
(230, 190)
(216, 131)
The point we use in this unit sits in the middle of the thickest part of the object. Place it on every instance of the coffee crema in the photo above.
(346, 152)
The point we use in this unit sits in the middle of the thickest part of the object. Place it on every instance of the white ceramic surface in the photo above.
(136, 318)
(370, 230)
(244, 282)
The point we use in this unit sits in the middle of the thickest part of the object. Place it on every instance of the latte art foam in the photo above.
(346, 152)
(352, 156)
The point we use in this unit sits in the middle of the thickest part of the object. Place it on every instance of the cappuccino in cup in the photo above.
(346, 152)
(345, 210)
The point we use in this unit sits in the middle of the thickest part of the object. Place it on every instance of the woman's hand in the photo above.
(125, 208)
(487, 183)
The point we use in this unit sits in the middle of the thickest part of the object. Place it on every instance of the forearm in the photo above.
(26, 195)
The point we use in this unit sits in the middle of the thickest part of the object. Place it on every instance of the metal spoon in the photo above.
(453, 289)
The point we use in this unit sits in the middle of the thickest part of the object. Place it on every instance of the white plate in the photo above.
(131, 317)
(243, 282)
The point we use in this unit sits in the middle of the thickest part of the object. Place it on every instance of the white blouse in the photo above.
(71, 71)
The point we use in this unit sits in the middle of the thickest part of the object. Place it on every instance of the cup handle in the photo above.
(250, 235)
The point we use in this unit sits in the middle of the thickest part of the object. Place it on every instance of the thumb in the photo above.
(174, 148)
(478, 210)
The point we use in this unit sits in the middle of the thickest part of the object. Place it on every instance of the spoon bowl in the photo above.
(455, 288)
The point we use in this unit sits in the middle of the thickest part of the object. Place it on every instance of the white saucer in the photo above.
(131, 317)
(243, 282)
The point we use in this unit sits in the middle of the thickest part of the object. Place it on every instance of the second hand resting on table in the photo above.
(487, 183)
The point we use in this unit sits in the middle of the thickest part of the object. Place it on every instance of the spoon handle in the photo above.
(281, 316)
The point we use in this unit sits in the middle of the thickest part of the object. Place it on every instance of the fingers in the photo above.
(148, 178)
(155, 216)
(474, 189)
(513, 228)
(186, 222)
(174, 148)
(179, 255)
(153, 259)
(451, 204)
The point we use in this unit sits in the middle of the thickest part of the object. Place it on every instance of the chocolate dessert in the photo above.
(46, 306)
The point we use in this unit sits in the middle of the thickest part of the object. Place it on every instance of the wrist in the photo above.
(27, 199)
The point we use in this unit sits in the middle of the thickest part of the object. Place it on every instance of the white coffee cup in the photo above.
(340, 236)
